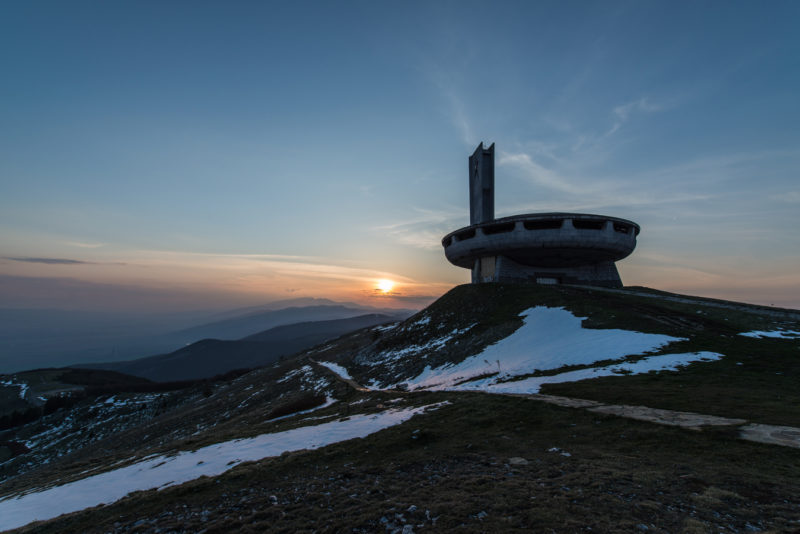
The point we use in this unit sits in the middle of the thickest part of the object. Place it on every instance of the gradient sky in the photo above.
(165, 155)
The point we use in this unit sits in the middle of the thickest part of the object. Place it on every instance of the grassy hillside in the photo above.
(481, 462)
(757, 379)
(486, 464)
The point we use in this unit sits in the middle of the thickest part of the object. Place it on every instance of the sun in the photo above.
(385, 285)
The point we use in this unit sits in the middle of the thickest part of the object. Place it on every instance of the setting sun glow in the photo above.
(385, 285)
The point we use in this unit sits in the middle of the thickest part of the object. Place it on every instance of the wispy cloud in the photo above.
(458, 116)
(538, 173)
(427, 229)
(49, 261)
(274, 270)
(446, 78)
(624, 111)
(789, 197)
(84, 245)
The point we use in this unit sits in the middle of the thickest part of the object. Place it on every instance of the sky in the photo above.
(177, 155)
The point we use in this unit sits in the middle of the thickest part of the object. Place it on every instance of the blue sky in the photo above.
(222, 153)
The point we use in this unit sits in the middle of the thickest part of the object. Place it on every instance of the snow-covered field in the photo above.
(164, 471)
(782, 334)
(663, 362)
(550, 338)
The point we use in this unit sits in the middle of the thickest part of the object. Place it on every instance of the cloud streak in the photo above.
(624, 111)
(84, 245)
(49, 261)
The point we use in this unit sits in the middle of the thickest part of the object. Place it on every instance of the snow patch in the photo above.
(420, 322)
(663, 362)
(781, 334)
(338, 369)
(391, 356)
(328, 402)
(548, 339)
(164, 471)
(291, 374)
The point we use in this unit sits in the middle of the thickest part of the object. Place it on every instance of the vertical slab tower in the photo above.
(481, 185)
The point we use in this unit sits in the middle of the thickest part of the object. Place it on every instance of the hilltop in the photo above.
(491, 410)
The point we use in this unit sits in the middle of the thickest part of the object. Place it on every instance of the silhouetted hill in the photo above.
(252, 323)
(210, 357)
(38, 338)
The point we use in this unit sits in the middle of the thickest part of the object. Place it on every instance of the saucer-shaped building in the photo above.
(545, 248)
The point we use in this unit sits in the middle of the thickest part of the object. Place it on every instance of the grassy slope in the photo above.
(757, 380)
(453, 464)
(620, 474)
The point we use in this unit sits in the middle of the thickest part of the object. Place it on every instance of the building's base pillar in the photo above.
(502, 269)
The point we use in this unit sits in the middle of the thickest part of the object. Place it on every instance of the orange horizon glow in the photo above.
(385, 286)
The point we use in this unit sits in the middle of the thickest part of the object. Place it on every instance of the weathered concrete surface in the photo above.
(775, 435)
(481, 185)
(544, 239)
(693, 421)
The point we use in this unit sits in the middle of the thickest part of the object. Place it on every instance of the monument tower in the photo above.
(545, 248)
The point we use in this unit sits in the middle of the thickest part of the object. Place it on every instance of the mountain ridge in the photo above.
(210, 357)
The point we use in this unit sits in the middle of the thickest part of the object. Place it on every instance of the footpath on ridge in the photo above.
(785, 436)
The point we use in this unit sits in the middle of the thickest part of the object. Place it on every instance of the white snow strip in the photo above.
(663, 362)
(420, 322)
(328, 402)
(549, 338)
(782, 334)
(291, 374)
(338, 369)
(164, 471)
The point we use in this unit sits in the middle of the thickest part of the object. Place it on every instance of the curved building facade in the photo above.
(546, 248)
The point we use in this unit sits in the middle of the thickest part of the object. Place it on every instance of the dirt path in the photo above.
(786, 436)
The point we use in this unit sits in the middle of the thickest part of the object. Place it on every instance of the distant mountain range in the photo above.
(210, 357)
(38, 338)
(253, 322)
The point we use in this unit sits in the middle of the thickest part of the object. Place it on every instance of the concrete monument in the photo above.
(545, 248)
